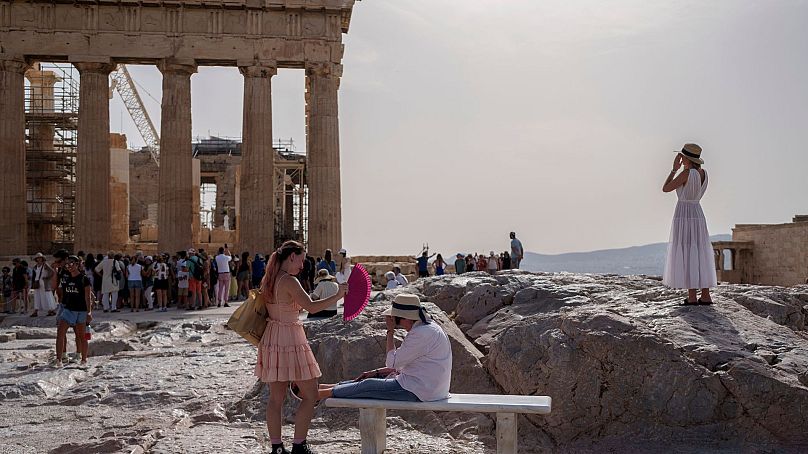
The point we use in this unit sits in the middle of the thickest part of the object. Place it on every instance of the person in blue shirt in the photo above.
(258, 268)
(423, 264)
(327, 263)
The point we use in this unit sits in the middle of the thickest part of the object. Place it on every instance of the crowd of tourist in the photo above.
(189, 280)
(463, 263)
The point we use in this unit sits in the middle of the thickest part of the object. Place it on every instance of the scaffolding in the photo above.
(51, 124)
(289, 185)
(291, 196)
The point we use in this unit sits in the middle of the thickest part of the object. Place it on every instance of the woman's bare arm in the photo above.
(672, 183)
(302, 299)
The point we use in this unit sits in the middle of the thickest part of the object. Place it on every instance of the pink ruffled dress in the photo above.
(284, 353)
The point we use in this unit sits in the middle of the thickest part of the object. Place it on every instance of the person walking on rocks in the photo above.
(284, 354)
(690, 262)
(75, 293)
(517, 251)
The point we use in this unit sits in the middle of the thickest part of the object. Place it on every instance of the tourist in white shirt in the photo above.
(135, 273)
(392, 282)
(326, 288)
(223, 283)
(418, 370)
(400, 277)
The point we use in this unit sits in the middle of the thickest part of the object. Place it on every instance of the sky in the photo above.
(462, 120)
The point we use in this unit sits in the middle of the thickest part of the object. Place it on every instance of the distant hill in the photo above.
(648, 259)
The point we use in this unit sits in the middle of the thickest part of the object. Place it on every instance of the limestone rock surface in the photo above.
(629, 370)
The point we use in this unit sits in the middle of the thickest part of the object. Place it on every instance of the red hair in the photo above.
(274, 266)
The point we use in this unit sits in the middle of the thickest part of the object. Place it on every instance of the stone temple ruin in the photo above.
(66, 182)
(766, 254)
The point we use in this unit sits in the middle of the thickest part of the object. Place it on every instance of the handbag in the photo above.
(250, 319)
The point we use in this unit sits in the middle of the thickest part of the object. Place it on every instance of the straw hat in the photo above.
(323, 275)
(406, 305)
(692, 152)
(39, 255)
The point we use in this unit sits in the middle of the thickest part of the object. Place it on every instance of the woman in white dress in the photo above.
(690, 262)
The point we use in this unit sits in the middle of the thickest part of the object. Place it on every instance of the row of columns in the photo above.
(175, 186)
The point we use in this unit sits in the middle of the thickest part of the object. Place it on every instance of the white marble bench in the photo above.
(372, 414)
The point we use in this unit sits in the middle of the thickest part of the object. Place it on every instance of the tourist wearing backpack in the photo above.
(111, 272)
(197, 274)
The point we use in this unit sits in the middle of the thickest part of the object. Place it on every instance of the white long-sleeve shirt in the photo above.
(423, 362)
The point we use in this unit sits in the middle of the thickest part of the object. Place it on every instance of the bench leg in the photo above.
(506, 433)
(373, 430)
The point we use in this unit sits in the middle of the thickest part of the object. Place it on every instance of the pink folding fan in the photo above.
(358, 292)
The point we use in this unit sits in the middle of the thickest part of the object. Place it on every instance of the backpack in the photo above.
(199, 272)
(117, 274)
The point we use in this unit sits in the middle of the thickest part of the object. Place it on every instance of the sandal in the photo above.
(688, 303)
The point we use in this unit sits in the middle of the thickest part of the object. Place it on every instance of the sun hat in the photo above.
(692, 152)
(342, 251)
(39, 255)
(323, 275)
(407, 305)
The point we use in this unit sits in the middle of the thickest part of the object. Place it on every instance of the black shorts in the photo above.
(423, 273)
(161, 284)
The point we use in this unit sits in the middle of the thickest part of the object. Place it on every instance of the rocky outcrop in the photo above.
(628, 369)
(626, 364)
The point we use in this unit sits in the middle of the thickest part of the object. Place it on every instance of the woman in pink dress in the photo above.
(284, 354)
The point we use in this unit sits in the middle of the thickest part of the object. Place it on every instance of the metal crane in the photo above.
(122, 82)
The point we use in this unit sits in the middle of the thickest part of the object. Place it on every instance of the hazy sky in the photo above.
(462, 120)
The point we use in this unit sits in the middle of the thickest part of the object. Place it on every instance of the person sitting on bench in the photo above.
(417, 371)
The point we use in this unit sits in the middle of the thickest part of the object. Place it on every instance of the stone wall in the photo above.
(780, 254)
(119, 188)
(143, 177)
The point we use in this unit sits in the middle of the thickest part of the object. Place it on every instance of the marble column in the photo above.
(322, 158)
(256, 225)
(175, 213)
(93, 222)
(14, 225)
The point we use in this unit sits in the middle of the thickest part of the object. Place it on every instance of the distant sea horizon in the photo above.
(647, 259)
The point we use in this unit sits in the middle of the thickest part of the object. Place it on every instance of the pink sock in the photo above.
(297, 441)
(275, 441)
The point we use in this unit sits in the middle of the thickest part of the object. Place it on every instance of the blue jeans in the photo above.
(373, 388)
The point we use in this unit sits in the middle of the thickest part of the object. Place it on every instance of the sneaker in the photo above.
(301, 448)
(226, 305)
(279, 449)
